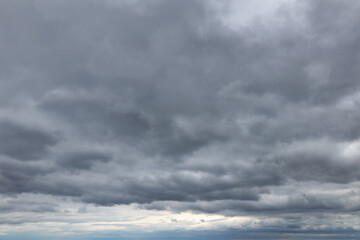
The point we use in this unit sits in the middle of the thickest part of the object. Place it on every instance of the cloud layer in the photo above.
(165, 105)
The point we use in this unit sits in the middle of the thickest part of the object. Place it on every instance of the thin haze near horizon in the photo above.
(179, 119)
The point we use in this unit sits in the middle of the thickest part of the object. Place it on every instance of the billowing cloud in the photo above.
(23, 143)
(166, 105)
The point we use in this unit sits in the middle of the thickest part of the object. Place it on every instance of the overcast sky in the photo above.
(175, 116)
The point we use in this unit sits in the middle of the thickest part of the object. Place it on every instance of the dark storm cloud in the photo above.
(24, 143)
(160, 101)
(107, 117)
(92, 113)
(82, 160)
(17, 177)
(314, 167)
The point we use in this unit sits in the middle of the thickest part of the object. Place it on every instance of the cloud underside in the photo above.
(163, 104)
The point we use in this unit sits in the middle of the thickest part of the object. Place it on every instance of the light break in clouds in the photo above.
(179, 117)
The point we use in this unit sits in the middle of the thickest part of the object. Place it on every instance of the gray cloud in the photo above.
(17, 205)
(161, 103)
(24, 143)
(17, 177)
(82, 160)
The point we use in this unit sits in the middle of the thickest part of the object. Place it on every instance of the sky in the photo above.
(169, 119)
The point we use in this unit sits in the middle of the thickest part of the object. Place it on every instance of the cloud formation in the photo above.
(163, 104)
